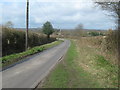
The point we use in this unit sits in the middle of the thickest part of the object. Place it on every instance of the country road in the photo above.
(29, 73)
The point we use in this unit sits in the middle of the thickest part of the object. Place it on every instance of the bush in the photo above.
(111, 41)
(13, 41)
(96, 34)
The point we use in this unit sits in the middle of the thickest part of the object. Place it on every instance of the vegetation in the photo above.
(80, 33)
(114, 37)
(10, 59)
(9, 24)
(83, 67)
(48, 29)
(111, 7)
(80, 26)
(102, 65)
(68, 74)
(91, 61)
(111, 41)
(13, 41)
(95, 34)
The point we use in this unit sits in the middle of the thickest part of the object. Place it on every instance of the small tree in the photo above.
(48, 29)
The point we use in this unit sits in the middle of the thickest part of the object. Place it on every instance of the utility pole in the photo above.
(118, 44)
(27, 24)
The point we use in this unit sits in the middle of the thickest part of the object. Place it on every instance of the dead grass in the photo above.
(68, 74)
(93, 60)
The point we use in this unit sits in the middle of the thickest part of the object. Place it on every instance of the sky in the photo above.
(64, 14)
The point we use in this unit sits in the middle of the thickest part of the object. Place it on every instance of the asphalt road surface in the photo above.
(29, 73)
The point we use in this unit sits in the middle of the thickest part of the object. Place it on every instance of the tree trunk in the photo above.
(48, 37)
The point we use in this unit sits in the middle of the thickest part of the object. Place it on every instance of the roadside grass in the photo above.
(11, 59)
(84, 66)
(93, 61)
(68, 73)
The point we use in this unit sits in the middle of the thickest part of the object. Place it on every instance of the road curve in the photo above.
(29, 73)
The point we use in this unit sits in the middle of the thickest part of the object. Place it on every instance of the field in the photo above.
(85, 65)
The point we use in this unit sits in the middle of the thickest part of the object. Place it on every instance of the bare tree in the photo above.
(110, 6)
(79, 30)
(114, 7)
(80, 26)
(9, 24)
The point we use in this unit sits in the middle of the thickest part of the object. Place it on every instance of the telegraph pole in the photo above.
(118, 38)
(27, 25)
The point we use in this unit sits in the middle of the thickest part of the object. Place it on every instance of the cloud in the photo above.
(46, 0)
(62, 14)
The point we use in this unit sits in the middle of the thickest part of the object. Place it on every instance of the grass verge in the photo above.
(68, 74)
(11, 59)
(92, 60)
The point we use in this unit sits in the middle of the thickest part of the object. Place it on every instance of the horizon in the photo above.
(60, 28)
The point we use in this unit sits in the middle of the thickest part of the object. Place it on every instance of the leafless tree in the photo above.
(80, 26)
(9, 24)
(114, 8)
(110, 6)
(79, 29)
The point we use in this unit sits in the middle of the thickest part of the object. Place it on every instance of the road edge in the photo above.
(40, 81)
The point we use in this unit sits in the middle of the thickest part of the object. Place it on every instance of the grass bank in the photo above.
(11, 59)
(84, 66)
(98, 63)
(68, 73)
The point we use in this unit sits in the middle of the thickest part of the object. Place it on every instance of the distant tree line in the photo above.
(95, 34)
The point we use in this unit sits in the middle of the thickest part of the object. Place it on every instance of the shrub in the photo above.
(111, 41)
(96, 34)
(13, 41)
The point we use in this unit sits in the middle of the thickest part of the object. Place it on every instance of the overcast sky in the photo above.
(62, 14)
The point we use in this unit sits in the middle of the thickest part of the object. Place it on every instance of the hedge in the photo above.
(13, 41)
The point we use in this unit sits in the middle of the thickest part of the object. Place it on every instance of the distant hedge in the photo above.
(13, 41)
(96, 34)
